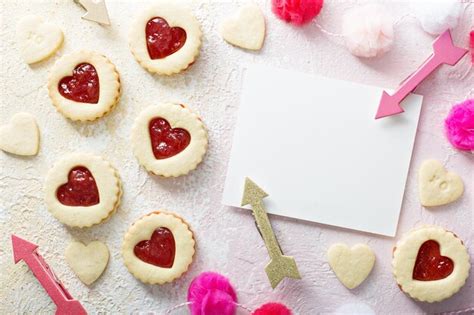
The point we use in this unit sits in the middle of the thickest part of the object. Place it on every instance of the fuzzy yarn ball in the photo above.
(437, 16)
(298, 12)
(368, 31)
(272, 308)
(459, 125)
(211, 294)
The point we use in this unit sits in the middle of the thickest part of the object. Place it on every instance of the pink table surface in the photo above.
(227, 240)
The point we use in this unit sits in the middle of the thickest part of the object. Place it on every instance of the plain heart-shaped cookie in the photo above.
(351, 265)
(246, 29)
(87, 261)
(37, 39)
(21, 136)
(437, 186)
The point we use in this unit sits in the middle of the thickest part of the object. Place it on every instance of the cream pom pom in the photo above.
(368, 31)
(437, 16)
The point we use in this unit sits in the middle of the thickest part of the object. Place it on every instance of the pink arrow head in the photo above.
(22, 248)
(445, 50)
(388, 106)
(70, 307)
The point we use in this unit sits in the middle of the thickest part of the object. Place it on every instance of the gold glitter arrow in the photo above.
(280, 266)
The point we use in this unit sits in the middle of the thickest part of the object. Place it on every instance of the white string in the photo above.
(174, 308)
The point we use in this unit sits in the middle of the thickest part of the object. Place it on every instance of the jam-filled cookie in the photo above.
(165, 38)
(430, 264)
(84, 85)
(82, 190)
(158, 248)
(169, 139)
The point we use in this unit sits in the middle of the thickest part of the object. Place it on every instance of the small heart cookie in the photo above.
(37, 39)
(351, 265)
(87, 261)
(437, 186)
(21, 136)
(246, 29)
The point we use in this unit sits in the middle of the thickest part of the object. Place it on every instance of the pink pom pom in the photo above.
(211, 294)
(297, 12)
(459, 125)
(272, 309)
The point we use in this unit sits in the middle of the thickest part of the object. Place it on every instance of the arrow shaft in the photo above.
(266, 230)
(410, 83)
(40, 268)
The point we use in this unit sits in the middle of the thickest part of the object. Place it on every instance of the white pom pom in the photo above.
(438, 15)
(368, 31)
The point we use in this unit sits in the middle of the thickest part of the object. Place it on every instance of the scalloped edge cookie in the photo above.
(176, 16)
(107, 181)
(142, 229)
(178, 116)
(405, 254)
(109, 90)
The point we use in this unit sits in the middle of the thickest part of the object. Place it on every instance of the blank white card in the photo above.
(313, 145)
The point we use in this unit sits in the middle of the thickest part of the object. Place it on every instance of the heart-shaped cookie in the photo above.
(437, 186)
(246, 29)
(37, 39)
(351, 265)
(21, 136)
(87, 261)
(166, 141)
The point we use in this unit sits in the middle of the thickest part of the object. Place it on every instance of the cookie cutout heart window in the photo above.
(166, 141)
(159, 250)
(80, 189)
(82, 86)
(430, 265)
(163, 40)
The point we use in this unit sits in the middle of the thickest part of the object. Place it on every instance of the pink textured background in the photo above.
(227, 239)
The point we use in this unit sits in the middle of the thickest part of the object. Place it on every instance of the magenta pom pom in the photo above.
(211, 294)
(459, 125)
(297, 12)
(272, 309)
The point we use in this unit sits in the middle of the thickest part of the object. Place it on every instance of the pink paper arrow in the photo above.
(26, 251)
(443, 52)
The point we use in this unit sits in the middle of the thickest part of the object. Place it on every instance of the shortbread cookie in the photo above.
(246, 29)
(21, 136)
(87, 261)
(82, 190)
(165, 38)
(84, 85)
(158, 248)
(351, 265)
(437, 186)
(169, 139)
(37, 39)
(430, 264)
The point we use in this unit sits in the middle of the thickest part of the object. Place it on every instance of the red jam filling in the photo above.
(163, 40)
(159, 250)
(80, 189)
(82, 86)
(430, 265)
(166, 141)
